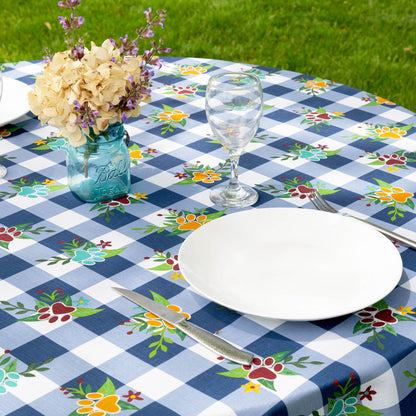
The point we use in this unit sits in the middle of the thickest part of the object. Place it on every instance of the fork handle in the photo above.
(391, 234)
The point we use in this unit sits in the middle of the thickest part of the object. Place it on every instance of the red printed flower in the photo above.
(173, 263)
(377, 318)
(133, 396)
(393, 159)
(367, 394)
(185, 90)
(318, 117)
(9, 235)
(124, 200)
(55, 312)
(266, 369)
(301, 191)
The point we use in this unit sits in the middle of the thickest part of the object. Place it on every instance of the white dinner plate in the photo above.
(290, 263)
(13, 103)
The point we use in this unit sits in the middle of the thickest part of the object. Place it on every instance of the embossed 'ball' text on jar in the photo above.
(99, 170)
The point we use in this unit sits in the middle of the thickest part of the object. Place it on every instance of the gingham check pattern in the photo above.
(184, 380)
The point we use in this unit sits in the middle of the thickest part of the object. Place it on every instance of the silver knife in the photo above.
(211, 341)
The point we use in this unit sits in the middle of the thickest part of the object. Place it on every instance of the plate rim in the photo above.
(23, 107)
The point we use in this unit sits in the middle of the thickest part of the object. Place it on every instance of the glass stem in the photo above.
(234, 184)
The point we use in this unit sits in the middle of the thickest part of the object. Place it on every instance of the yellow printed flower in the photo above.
(175, 115)
(48, 182)
(208, 176)
(191, 222)
(339, 114)
(394, 194)
(251, 387)
(390, 133)
(96, 404)
(316, 84)
(155, 321)
(405, 310)
(193, 70)
(139, 195)
(381, 100)
(177, 276)
(40, 142)
(135, 154)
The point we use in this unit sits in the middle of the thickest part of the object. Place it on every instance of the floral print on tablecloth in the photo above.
(9, 374)
(55, 307)
(157, 327)
(100, 401)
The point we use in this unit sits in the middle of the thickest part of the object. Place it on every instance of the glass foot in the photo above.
(3, 171)
(224, 196)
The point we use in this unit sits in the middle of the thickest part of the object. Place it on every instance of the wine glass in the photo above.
(3, 169)
(234, 106)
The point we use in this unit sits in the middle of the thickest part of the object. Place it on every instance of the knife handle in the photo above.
(215, 343)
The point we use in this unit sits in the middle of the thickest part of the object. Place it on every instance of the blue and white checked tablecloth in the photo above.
(70, 345)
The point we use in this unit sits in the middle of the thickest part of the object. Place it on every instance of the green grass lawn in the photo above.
(367, 44)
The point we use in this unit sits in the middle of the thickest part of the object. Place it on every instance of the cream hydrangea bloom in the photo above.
(99, 79)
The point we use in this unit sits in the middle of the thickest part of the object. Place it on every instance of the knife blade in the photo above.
(210, 341)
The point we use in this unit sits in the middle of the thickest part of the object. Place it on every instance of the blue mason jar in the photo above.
(99, 170)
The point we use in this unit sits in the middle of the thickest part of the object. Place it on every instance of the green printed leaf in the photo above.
(53, 188)
(401, 317)
(107, 388)
(332, 152)
(162, 267)
(359, 326)
(111, 253)
(278, 356)
(11, 367)
(235, 373)
(389, 328)
(365, 411)
(159, 299)
(187, 181)
(381, 304)
(267, 383)
(32, 318)
(287, 372)
(126, 406)
(85, 312)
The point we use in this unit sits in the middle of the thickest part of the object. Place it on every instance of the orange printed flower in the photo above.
(381, 100)
(191, 222)
(155, 321)
(193, 70)
(208, 176)
(394, 194)
(390, 133)
(99, 404)
(175, 115)
(316, 84)
(135, 154)
(4, 133)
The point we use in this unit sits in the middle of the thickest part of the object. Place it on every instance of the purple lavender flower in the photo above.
(69, 4)
(148, 14)
(77, 52)
(87, 116)
(148, 33)
(125, 47)
(64, 22)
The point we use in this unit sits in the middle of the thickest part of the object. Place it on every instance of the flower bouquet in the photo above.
(88, 94)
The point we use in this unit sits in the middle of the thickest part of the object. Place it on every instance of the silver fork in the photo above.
(320, 204)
